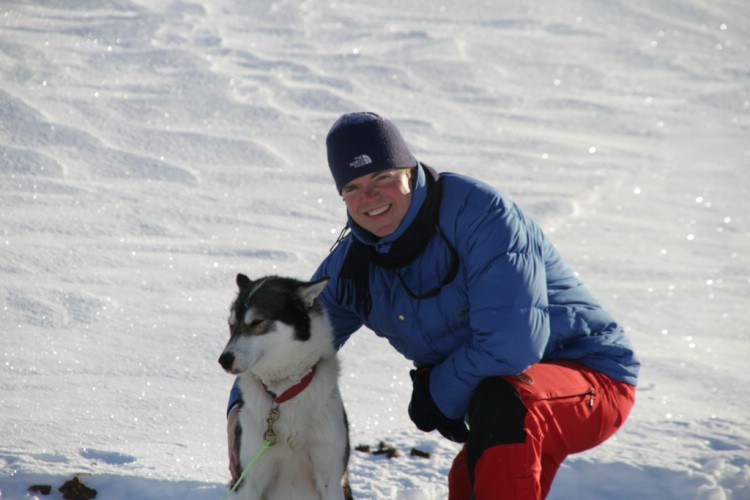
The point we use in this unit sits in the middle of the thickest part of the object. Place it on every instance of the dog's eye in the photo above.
(257, 323)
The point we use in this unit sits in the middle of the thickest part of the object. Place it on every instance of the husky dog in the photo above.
(281, 346)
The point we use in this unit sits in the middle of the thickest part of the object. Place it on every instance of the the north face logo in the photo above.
(360, 161)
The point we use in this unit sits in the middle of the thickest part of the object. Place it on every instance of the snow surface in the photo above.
(152, 149)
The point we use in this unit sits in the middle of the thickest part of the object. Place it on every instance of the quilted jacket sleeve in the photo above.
(502, 252)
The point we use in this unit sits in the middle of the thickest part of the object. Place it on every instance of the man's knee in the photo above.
(496, 417)
(497, 412)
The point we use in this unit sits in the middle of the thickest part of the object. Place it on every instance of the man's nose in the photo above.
(369, 190)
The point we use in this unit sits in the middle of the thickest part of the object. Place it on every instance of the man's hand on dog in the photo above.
(234, 449)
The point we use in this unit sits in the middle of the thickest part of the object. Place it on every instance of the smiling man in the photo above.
(504, 337)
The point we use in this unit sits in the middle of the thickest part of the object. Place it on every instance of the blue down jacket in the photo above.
(513, 302)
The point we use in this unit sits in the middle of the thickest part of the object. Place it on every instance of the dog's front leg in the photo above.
(330, 488)
(329, 473)
(246, 492)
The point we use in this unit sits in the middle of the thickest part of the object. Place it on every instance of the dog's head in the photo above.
(270, 314)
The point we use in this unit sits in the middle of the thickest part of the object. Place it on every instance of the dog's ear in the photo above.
(243, 281)
(308, 292)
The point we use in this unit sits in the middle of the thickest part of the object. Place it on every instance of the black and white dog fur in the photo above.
(279, 335)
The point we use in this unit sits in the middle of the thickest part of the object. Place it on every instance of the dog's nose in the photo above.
(226, 360)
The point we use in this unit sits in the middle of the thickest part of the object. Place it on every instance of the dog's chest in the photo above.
(293, 424)
(286, 470)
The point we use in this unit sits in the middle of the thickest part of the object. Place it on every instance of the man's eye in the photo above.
(349, 192)
(386, 177)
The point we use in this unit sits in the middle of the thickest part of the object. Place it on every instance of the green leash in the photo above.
(269, 439)
(266, 444)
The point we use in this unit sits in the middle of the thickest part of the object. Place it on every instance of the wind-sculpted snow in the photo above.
(151, 150)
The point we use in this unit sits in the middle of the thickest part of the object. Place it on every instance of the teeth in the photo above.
(377, 211)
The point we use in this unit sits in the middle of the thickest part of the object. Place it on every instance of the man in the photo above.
(502, 334)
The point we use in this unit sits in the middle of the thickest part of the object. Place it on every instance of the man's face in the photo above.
(378, 202)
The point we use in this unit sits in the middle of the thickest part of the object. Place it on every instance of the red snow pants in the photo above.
(565, 407)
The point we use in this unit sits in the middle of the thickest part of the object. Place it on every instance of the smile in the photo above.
(378, 211)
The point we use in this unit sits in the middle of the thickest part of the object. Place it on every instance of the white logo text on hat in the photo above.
(360, 161)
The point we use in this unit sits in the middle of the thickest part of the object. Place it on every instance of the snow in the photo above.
(152, 149)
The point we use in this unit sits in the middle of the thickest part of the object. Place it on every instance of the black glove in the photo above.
(427, 416)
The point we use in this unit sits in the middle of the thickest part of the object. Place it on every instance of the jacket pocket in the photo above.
(589, 396)
(525, 388)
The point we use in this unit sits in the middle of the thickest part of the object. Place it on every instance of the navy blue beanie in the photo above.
(362, 143)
